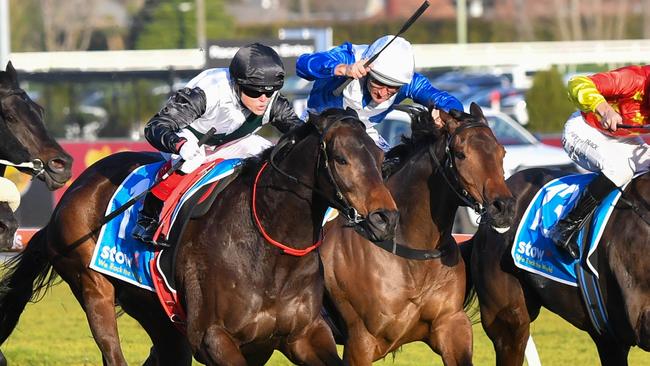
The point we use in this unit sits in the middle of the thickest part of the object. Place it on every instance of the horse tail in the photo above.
(26, 276)
(470, 305)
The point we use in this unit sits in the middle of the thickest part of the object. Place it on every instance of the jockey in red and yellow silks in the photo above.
(594, 139)
(624, 89)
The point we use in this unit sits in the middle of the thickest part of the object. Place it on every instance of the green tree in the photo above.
(547, 102)
(172, 24)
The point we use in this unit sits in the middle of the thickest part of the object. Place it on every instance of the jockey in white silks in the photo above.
(236, 101)
(375, 89)
(9, 193)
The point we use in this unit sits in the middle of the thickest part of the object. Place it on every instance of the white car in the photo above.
(523, 151)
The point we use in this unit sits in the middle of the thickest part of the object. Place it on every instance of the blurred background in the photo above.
(102, 68)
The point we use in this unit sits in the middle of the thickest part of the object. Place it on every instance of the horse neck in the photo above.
(293, 212)
(426, 203)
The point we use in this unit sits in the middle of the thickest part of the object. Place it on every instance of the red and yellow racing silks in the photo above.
(625, 89)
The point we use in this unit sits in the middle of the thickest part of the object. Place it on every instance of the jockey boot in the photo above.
(148, 221)
(563, 233)
(389, 166)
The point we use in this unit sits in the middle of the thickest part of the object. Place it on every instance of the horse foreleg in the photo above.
(98, 301)
(610, 352)
(452, 339)
(217, 347)
(361, 347)
(315, 347)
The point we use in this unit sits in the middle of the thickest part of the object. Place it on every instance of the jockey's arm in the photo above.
(185, 106)
(322, 65)
(283, 117)
(422, 92)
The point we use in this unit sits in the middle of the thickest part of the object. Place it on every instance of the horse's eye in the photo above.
(459, 155)
(340, 160)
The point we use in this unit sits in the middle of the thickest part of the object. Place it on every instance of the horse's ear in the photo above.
(12, 72)
(451, 120)
(317, 121)
(476, 111)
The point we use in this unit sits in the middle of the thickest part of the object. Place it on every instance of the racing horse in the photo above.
(27, 145)
(511, 298)
(386, 300)
(244, 297)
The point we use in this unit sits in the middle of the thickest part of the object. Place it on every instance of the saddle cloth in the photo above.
(117, 254)
(534, 252)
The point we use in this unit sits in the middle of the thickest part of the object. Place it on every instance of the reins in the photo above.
(341, 204)
(449, 173)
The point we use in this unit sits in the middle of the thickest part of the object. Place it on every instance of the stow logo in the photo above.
(530, 251)
(113, 255)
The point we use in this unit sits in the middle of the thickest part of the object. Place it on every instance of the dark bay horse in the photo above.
(386, 300)
(244, 297)
(510, 298)
(26, 144)
(25, 140)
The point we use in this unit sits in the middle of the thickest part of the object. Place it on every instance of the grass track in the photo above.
(54, 332)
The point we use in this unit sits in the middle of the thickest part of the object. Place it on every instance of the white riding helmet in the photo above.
(395, 65)
(9, 193)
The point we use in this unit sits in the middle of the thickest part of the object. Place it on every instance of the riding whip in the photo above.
(406, 26)
(645, 127)
(135, 199)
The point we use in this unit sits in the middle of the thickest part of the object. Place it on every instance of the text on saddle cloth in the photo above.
(534, 252)
(117, 253)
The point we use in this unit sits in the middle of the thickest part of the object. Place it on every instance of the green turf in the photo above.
(54, 332)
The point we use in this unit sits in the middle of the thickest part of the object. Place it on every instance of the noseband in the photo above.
(450, 171)
(36, 165)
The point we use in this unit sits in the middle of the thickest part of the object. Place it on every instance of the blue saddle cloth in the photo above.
(117, 253)
(533, 251)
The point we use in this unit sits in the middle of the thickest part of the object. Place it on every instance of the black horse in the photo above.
(244, 297)
(26, 144)
(510, 298)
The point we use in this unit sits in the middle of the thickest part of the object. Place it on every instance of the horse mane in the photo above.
(250, 166)
(423, 134)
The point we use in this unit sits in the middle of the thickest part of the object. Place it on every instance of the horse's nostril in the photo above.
(383, 219)
(57, 165)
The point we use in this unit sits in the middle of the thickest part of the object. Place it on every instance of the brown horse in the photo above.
(244, 297)
(386, 300)
(511, 298)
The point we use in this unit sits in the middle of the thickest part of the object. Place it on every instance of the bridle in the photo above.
(36, 165)
(341, 203)
(450, 174)
(450, 170)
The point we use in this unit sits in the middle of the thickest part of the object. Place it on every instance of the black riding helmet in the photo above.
(258, 67)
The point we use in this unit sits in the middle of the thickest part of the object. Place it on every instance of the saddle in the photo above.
(162, 265)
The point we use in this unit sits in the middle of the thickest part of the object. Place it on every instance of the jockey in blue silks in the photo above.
(389, 80)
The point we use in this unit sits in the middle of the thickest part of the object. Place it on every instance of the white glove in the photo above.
(193, 156)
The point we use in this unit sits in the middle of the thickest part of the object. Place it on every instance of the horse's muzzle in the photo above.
(57, 172)
(379, 225)
(501, 214)
(8, 227)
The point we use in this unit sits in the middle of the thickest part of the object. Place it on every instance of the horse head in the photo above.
(350, 174)
(471, 161)
(25, 136)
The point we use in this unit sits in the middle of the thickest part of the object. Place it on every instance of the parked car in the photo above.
(523, 151)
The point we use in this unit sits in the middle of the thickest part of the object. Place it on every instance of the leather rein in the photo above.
(341, 203)
(450, 174)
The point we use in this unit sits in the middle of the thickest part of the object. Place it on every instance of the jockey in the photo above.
(389, 80)
(594, 140)
(237, 101)
(9, 193)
